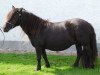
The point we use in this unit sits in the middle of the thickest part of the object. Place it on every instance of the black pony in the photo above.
(56, 36)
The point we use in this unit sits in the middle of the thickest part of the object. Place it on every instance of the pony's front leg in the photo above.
(38, 53)
(45, 58)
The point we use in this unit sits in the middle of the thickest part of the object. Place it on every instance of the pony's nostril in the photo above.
(5, 30)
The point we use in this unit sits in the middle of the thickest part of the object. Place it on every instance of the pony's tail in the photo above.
(93, 45)
(88, 58)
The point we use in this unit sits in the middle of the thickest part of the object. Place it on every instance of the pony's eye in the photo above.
(17, 12)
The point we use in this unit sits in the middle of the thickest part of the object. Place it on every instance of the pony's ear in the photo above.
(21, 9)
(13, 7)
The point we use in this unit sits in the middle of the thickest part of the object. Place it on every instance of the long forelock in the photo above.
(9, 15)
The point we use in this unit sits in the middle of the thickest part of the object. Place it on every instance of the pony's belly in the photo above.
(57, 47)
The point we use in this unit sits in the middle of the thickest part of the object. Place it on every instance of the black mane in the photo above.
(29, 21)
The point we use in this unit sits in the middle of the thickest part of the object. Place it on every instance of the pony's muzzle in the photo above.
(7, 27)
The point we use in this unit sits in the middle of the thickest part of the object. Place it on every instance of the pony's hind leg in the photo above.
(87, 57)
(79, 54)
(45, 58)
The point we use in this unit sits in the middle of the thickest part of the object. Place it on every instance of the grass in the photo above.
(25, 64)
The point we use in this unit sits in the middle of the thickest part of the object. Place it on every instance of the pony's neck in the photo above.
(31, 23)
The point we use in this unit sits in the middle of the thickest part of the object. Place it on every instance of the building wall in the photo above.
(24, 46)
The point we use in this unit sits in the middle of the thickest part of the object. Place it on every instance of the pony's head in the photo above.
(13, 18)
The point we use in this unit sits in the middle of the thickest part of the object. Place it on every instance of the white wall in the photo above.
(54, 10)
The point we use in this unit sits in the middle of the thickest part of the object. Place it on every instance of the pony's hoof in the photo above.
(92, 66)
(75, 65)
(48, 66)
(37, 69)
(89, 66)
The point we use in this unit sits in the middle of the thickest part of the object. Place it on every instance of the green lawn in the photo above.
(25, 64)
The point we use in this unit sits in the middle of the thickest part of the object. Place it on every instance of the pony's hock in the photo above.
(56, 36)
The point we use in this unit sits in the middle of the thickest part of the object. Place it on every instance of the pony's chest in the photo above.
(36, 41)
